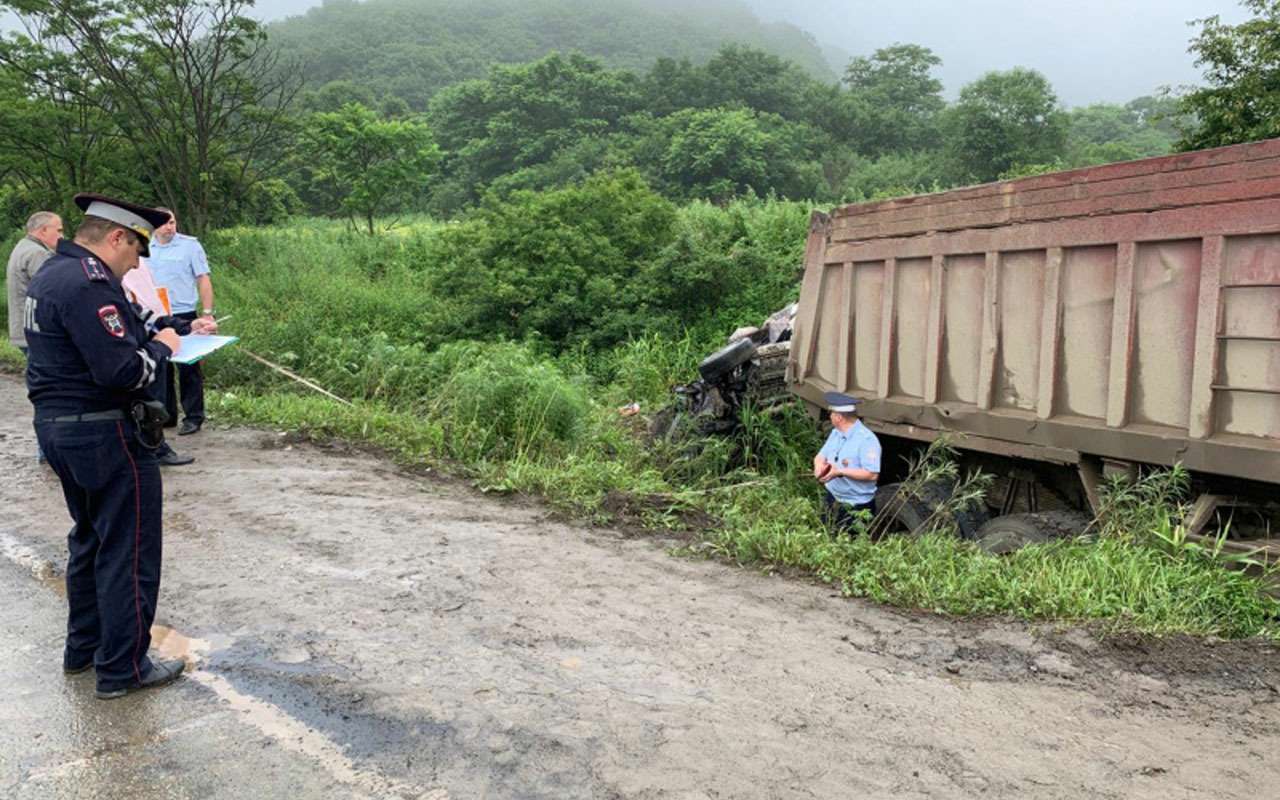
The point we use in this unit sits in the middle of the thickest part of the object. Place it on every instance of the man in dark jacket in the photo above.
(91, 357)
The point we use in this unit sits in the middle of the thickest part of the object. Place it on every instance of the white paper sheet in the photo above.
(196, 346)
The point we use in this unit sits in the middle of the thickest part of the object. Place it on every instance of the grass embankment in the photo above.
(390, 324)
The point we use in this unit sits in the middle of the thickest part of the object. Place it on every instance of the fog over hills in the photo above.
(1092, 50)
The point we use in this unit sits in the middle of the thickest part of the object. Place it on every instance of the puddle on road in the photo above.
(171, 644)
(297, 737)
(267, 718)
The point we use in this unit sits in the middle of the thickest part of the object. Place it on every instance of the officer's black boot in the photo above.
(161, 672)
(169, 458)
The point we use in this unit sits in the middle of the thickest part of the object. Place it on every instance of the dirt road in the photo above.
(357, 631)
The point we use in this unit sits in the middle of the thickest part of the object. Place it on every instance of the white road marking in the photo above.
(40, 567)
(268, 718)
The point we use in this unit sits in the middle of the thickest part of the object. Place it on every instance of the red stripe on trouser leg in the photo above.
(137, 545)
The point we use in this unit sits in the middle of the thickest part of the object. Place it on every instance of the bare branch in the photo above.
(190, 86)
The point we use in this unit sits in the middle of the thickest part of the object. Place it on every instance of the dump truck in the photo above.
(1062, 327)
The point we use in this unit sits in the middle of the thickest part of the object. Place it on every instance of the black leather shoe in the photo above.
(161, 672)
(168, 458)
(73, 663)
(188, 427)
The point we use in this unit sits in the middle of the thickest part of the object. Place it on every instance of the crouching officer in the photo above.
(92, 357)
(848, 464)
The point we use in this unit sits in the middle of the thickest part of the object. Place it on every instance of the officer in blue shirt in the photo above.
(179, 264)
(91, 357)
(848, 464)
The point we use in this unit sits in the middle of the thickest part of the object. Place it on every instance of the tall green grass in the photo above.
(766, 515)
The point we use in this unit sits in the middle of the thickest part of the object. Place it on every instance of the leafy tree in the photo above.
(590, 265)
(672, 85)
(460, 114)
(561, 265)
(365, 165)
(1104, 132)
(720, 153)
(893, 102)
(190, 86)
(738, 76)
(573, 164)
(1160, 113)
(522, 115)
(724, 265)
(1241, 63)
(758, 80)
(54, 143)
(717, 153)
(333, 95)
(540, 107)
(1003, 121)
(894, 175)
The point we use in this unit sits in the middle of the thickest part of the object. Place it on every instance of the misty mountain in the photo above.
(413, 48)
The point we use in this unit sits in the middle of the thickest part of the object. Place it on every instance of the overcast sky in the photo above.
(1091, 50)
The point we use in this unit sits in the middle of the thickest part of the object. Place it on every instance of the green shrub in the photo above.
(559, 265)
(502, 401)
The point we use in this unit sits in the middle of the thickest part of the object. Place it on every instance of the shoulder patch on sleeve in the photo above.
(109, 316)
(93, 269)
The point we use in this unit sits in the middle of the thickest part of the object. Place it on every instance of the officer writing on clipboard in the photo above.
(92, 357)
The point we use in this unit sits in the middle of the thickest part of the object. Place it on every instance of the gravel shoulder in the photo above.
(439, 642)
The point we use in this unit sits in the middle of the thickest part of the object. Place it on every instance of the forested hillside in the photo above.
(368, 110)
(413, 48)
(747, 122)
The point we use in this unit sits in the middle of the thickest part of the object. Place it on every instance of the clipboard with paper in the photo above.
(194, 347)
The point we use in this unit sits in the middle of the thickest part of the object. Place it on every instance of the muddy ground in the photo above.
(358, 631)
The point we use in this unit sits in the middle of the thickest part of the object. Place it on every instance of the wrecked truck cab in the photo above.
(749, 370)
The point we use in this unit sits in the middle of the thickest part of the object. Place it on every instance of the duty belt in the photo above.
(92, 416)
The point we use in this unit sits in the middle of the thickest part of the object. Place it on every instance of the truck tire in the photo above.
(968, 519)
(726, 360)
(1004, 535)
(912, 514)
(897, 513)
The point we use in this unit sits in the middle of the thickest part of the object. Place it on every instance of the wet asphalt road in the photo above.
(57, 740)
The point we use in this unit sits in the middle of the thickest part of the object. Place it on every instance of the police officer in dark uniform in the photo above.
(92, 358)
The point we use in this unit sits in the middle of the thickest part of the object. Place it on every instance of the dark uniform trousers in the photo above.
(190, 386)
(840, 516)
(112, 488)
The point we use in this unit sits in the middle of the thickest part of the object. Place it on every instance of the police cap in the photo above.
(840, 402)
(142, 220)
